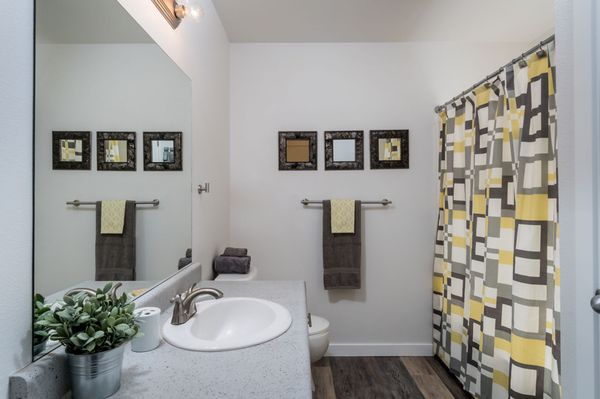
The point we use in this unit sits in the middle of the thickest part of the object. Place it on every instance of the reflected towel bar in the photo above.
(383, 202)
(77, 203)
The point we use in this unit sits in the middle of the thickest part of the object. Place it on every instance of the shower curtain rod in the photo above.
(496, 73)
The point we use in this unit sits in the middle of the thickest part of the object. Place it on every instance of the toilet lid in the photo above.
(319, 325)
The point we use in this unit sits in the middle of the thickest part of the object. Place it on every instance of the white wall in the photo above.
(16, 116)
(348, 86)
(578, 180)
(112, 87)
(201, 49)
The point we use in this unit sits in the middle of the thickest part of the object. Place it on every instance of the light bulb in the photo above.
(183, 8)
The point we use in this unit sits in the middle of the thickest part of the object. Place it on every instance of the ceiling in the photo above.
(86, 21)
(386, 20)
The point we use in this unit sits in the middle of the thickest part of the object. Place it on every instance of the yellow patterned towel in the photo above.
(342, 216)
(113, 217)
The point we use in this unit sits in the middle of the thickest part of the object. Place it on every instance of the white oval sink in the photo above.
(229, 323)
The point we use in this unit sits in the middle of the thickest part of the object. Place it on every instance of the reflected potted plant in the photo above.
(40, 335)
(93, 329)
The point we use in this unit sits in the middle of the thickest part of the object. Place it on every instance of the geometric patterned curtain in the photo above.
(496, 273)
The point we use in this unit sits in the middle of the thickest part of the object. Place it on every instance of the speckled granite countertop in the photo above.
(276, 369)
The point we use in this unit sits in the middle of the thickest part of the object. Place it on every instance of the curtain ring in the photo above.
(541, 53)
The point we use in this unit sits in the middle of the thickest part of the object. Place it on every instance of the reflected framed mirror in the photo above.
(71, 150)
(115, 151)
(90, 80)
(162, 151)
(344, 150)
(297, 150)
(389, 149)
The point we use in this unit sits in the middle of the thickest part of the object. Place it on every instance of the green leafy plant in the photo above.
(87, 324)
(40, 308)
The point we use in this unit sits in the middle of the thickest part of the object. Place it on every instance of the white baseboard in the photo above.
(371, 349)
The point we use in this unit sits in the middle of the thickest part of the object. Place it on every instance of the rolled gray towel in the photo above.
(188, 253)
(229, 251)
(183, 262)
(232, 264)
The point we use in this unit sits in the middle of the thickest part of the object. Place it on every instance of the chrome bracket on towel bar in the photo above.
(77, 203)
(383, 202)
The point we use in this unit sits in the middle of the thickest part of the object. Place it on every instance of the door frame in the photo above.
(577, 109)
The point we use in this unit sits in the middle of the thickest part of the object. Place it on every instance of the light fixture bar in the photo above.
(167, 9)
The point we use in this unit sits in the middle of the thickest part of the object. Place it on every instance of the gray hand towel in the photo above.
(183, 262)
(229, 251)
(232, 264)
(115, 253)
(341, 252)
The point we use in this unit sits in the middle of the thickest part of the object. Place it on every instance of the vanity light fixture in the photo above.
(183, 8)
(176, 10)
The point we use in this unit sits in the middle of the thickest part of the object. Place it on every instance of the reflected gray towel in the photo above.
(115, 253)
(229, 251)
(341, 252)
(183, 262)
(232, 264)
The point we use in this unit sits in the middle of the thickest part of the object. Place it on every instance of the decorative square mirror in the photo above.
(389, 149)
(115, 150)
(297, 150)
(344, 150)
(162, 151)
(71, 150)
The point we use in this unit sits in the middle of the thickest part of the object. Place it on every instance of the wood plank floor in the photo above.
(384, 377)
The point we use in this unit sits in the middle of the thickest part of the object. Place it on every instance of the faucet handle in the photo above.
(189, 290)
(176, 299)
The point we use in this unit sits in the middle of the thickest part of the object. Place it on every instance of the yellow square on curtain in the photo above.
(112, 219)
(342, 216)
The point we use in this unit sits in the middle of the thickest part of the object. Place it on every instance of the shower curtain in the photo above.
(496, 270)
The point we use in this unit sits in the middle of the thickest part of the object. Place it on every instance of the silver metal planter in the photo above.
(96, 376)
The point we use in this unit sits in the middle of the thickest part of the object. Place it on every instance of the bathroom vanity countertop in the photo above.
(276, 369)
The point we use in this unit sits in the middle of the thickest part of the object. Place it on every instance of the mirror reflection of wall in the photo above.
(344, 150)
(163, 151)
(298, 150)
(71, 150)
(114, 83)
(115, 150)
(389, 149)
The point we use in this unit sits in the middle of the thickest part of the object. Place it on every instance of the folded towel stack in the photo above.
(183, 262)
(232, 261)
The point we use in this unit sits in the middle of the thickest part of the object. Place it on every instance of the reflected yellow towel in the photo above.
(113, 217)
(342, 216)
(138, 292)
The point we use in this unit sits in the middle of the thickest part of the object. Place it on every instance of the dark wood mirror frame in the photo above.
(357, 136)
(102, 164)
(312, 151)
(176, 165)
(375, 135)
(58, 164)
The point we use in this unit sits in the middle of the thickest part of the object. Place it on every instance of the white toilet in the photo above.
(251, 275)
(318, 337)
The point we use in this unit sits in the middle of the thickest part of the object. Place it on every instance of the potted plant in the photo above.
(93, 329)
(40, 335)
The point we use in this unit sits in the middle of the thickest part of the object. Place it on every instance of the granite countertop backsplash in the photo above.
(276, 369)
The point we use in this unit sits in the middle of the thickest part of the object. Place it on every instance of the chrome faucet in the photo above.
(185, 306)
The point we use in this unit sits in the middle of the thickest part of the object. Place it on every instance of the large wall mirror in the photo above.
(101, 82)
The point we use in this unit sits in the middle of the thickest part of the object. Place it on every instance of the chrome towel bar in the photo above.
(77, 203)
(383, 202)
